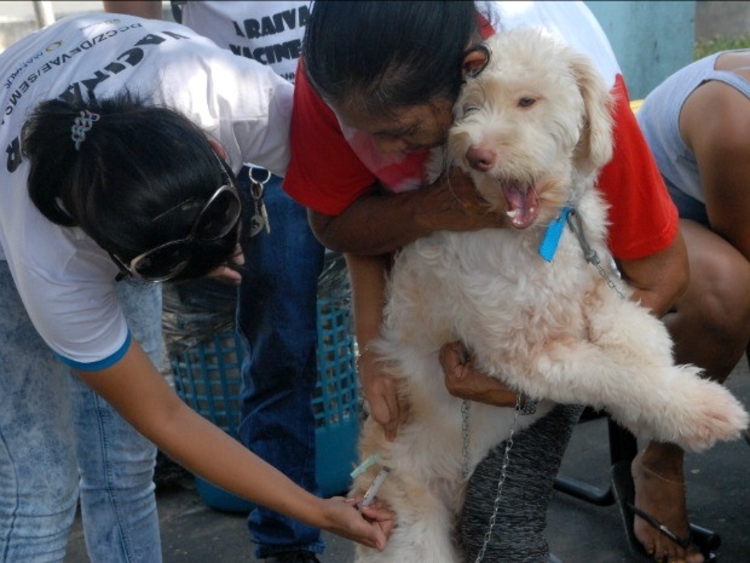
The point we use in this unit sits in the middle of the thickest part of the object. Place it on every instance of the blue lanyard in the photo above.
(551, 239)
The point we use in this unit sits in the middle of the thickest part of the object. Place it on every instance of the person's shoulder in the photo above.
(718, 115)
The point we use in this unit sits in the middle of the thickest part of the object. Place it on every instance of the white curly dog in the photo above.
(532, 129)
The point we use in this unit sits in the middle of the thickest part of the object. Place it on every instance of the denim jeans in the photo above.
(278, 326)
(687, 206)
(55, 432)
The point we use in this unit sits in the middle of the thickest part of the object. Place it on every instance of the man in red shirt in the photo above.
(375, 96)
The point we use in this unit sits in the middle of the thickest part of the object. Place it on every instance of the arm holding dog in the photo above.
(367, 274)
(463, 380)
(451, 204)
(655, 267)
(659, 279)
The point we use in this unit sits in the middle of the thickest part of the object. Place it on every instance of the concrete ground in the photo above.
(578, 532)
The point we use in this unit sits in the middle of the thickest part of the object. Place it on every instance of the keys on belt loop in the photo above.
(259, 220)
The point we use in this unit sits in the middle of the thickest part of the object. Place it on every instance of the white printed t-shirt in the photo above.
(268, 32)
(65, 280)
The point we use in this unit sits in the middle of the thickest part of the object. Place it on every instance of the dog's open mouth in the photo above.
(523, 203)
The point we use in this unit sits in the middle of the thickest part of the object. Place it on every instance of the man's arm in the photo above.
(379, 223)
(659, 279)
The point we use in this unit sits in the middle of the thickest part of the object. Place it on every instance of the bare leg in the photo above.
(660, 491)
(711, 327)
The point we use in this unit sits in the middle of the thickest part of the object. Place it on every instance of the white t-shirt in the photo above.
(66, 280)
(268, 32)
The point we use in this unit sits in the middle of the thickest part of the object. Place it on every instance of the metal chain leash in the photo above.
(465, 406)
(576, 225)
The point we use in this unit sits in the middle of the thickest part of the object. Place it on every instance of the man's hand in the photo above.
(231, 272)
(453, 203)
(463, 380)
(381, 391)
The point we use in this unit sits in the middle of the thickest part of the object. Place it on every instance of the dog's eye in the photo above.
(526, 102)
(471, 109)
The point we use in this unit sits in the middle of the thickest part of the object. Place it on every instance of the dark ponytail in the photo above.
(134, 164)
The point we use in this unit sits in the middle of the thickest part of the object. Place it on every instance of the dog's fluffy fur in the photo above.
(533, 130)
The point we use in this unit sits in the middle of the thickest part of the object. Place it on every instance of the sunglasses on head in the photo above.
(218, 217)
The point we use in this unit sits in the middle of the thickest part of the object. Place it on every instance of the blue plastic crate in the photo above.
(208, 378)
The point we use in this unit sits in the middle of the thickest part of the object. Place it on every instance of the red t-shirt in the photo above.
(326, 175)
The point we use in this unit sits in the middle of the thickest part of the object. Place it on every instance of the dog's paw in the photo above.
(710, 414)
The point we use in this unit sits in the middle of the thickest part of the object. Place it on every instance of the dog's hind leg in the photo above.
(423, 528)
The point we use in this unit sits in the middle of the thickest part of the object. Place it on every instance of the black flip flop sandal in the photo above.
(624, 492)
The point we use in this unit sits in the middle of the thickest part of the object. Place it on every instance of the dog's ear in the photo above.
(476, 59)
(594, 149)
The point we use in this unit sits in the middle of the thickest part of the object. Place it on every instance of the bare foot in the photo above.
(662, 495)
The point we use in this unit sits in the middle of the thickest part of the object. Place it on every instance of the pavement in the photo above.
(578, 532)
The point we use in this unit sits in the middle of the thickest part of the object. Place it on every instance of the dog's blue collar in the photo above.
(551, 239)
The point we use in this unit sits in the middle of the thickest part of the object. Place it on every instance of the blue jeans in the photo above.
(687, 206)
(278, 326)
(55, 433)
